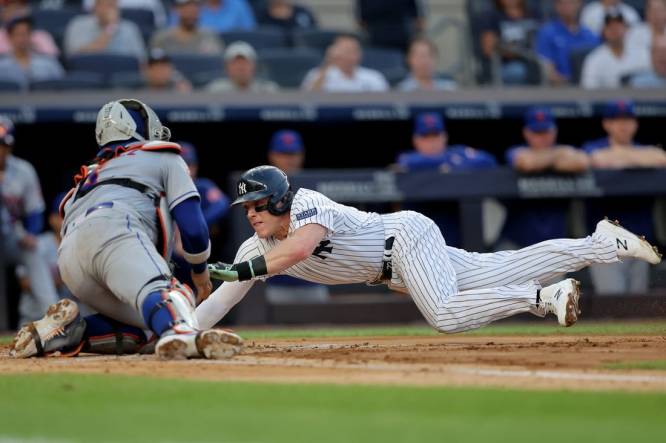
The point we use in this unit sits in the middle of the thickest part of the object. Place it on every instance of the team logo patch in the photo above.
(242, 188)
(306, 214)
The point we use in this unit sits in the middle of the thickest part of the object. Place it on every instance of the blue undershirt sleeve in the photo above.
(193, 228)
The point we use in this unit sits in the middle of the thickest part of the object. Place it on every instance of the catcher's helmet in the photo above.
(115, 123)
(262, 182)
(6, 131)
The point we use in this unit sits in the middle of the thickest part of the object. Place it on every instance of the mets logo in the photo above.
(242, 188)
(306, 214)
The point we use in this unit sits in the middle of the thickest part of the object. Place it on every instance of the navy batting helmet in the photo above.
(6, 131)
(265, 181)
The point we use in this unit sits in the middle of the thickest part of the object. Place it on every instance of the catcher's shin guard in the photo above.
(170, 310)
(61, 329)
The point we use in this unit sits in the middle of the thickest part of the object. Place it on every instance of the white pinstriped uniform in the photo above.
(455, 290)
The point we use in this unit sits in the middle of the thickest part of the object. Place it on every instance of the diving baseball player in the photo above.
(116, 239)
(22, 219)
(307, 235)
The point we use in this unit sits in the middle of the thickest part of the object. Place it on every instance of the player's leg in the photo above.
(422, 262)
(546, 260)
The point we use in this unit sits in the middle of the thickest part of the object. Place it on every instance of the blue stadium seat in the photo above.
(126, 80)
(143, 18)
(287, 67)
(103, 64)
(389, 62)
(260, 38)
(72, 81)
(199, 69)
(318, 39)
(9, 86)
(54, 21)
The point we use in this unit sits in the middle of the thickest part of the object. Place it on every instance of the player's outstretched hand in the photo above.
(223, 271)
(203, 285)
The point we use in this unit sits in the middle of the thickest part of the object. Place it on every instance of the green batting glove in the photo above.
(223, 271)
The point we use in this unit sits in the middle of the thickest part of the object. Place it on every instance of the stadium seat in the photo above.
(126, 80)
(288, 67)
(73, 81)
(389, 62)
(260, 38)
(9, 86)
(143, 18)
(318, 39)
(576, 60)
(54, 21)
(103, 64)
(199, 69)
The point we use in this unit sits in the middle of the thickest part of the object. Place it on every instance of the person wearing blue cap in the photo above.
(432, 152)
(620, 150)
(532, 222)
(287, 152)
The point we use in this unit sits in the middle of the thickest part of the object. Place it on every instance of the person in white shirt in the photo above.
(642, 35)
(609, 63)
(341, 71)
(593, 14)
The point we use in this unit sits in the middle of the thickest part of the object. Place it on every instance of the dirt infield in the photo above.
(522, 362)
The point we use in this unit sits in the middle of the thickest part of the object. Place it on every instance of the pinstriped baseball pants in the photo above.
(456, 290)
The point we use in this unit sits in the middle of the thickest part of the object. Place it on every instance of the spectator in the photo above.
(186, 37)
(104, 32)
(22, 65)
(160, 75)
(530, 222)
(422, 61)
(341, 71)
(286, 15)
(656, 76)
(642, 35)
(287, 152)
(154, 6)
(593, 14)
(432, 152)
(619, 150)
(557, 38)
(509, 31)
(240, 61)
(21, 219)
(391, 23)
(609, 63)
(225, 15)
(41, 41)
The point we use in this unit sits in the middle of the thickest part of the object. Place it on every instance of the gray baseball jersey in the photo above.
(108, 257)
(455, 290)
(21, 194)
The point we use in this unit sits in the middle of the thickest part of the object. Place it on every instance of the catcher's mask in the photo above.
(116, 123)
(265, 181)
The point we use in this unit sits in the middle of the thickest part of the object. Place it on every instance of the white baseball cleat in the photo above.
(59, 329)
(561, 299)
(628, 244)
(214, 344)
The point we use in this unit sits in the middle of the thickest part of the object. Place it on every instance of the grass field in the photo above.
(115, 409)
(58, 408)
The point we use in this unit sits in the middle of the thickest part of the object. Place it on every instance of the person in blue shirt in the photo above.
(620, 150)
(432, 152)
(224, 15)
(286, 151)
(558, 37)
(530, 222)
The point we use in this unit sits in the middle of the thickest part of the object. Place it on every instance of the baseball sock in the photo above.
(156, 313)
(105, 335)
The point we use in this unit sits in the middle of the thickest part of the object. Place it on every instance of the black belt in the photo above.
(387, 264)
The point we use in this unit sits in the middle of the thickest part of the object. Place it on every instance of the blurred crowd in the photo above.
(267, 45)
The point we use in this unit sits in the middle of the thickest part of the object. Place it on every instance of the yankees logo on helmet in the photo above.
(242, 188)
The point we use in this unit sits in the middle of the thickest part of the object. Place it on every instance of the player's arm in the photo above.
(289, 252)
(648, 157)
(528, 161)
(571, 160)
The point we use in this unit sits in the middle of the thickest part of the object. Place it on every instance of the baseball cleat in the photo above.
(561, 299)
(628, 244)
(214, 344)
(60, 328)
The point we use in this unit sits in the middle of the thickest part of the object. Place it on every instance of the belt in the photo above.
(387, 263)
(89, 211)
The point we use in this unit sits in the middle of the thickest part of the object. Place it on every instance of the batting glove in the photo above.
(223, 271)
(246, 270)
